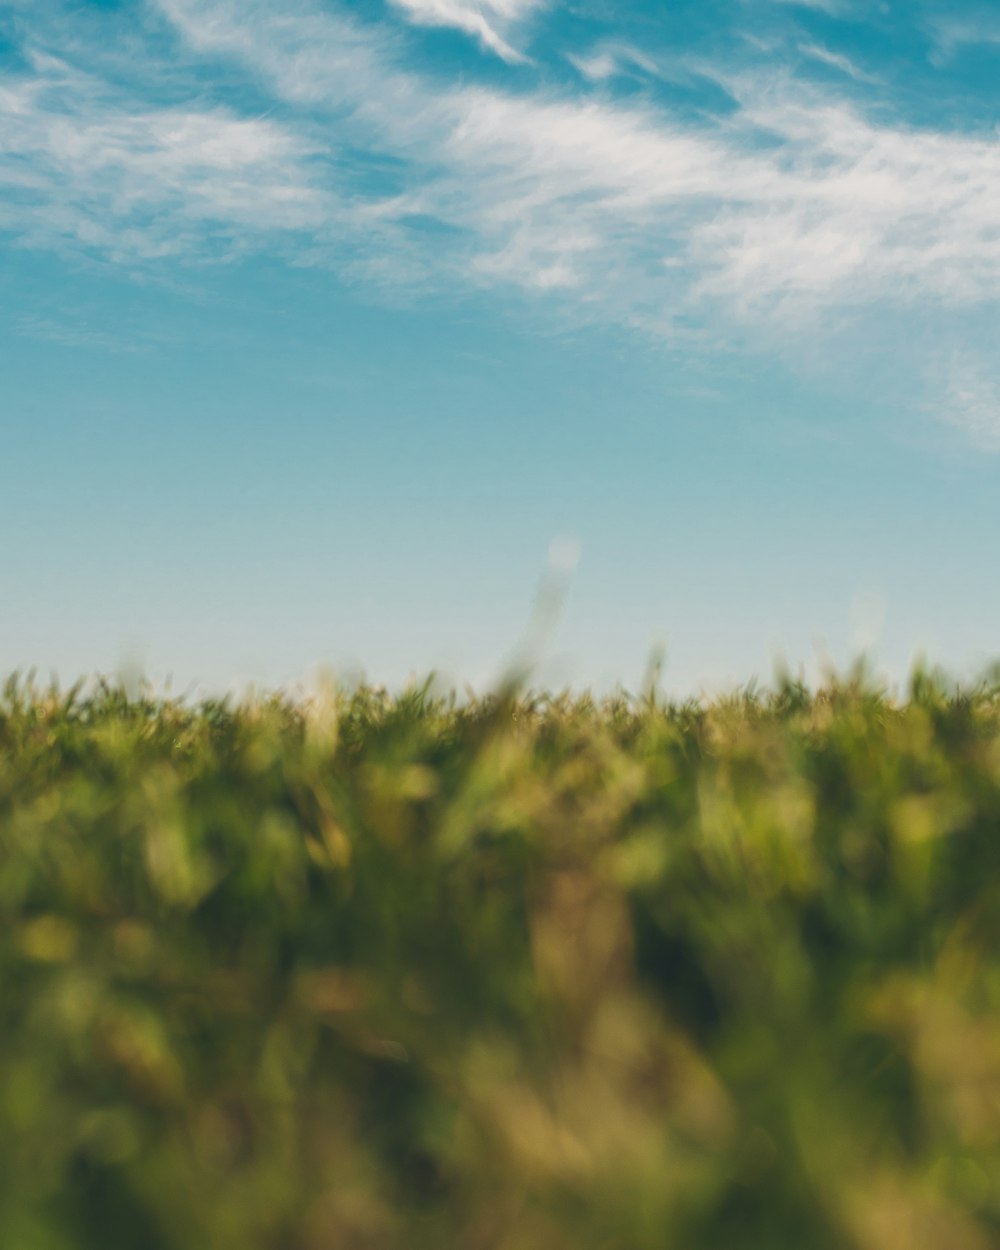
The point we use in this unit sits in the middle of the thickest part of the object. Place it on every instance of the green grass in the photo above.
(526, 974)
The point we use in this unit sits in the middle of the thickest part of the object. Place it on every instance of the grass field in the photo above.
(523, 974)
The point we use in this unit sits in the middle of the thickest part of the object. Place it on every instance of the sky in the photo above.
(440, 335)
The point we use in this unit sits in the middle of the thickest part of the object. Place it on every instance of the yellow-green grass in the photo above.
(526, 973)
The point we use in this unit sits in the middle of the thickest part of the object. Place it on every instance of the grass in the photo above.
(524, 974)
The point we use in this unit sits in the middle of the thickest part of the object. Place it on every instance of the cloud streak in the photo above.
(793, 206)
(80, 165)
(971, 399)
(612, 61)
(796, 198)
(484, 20)
(953, 32)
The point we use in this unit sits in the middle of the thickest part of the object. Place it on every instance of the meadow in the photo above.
(524, 972)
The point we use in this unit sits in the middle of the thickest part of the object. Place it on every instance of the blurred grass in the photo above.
(530, 973)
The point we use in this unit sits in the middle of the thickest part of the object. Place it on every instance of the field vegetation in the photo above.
(377, 972)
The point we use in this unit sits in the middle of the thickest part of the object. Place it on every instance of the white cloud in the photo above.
(482, 19)
(795, 208)
(612, 61)
(955, 31)
(79, 164)
(73, 332)
(834, 8)
(836, 61)
(798, 198)
(971, 399)
(309, 54)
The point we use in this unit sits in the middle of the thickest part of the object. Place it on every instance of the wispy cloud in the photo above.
(971, 398)
(836, 61)
(793, 207)
(79, 332)
(798, 196)
(611, 60)
(835, 8)
(80, 164)
(954, 31)
(486, 20)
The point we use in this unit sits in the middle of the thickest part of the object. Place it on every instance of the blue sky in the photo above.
(326, 328)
